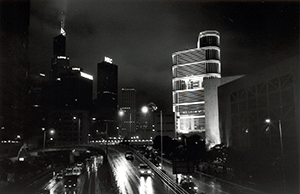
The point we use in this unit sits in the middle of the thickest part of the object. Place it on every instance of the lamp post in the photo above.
(78, 129)
(121, 114)
(153, 107)
(44, 141)
(268, 121)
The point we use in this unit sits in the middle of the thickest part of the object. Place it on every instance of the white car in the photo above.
(144, 170)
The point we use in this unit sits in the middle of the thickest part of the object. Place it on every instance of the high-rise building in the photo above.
(107, 95)
(14, 66)
(128, 108)
(190, 68)
(74, 89)
(60, 62)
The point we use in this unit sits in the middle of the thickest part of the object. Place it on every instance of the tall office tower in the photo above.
(60, 62)
(74, 90)
(190, 68)
(14, 66)
(107, 94)
(128, 116)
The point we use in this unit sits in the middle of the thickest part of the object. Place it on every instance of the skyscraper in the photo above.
(60, 62)
(107, 94)
(190, 68)
(128, 106)
(14, 66)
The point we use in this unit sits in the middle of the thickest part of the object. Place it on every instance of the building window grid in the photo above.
(247, 115)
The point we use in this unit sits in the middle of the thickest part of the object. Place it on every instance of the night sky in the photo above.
(140, 36)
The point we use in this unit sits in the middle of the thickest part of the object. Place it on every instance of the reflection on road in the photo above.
(146, 186)
(128, 177)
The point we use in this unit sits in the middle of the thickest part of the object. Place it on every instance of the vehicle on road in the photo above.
(70, 181)
(59, 176)
(190, 187)
(144, 170)
(129, 155)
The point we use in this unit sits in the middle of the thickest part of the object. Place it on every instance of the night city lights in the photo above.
(149, 97)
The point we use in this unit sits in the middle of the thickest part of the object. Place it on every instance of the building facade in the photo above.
(128, 112)
(107, 96)
(259, 115)
(14, 67)
(189, 69)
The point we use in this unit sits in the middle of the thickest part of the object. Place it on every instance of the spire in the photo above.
(62, 24)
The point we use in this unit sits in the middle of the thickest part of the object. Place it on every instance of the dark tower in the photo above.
(14, 67)
(60, 62)
(107, 93)
(59, 45)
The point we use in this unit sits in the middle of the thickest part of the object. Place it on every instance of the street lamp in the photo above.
(78, 135)
(268, 121)
(121, 114)
(44, 142)
(153, 107)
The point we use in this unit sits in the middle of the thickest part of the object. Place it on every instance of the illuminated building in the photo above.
(107, 94)
(128, 108)
(190, 68)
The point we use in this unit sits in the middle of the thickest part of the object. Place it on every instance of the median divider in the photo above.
(165, 178)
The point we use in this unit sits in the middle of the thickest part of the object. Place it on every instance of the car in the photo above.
(190, 187)
(59, 176)
(70, 181)
(129, 155)
(144, 170)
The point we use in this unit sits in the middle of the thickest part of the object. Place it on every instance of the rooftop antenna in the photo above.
(62, 24)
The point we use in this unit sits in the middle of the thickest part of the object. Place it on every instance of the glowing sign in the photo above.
(75, 68)
(61, 57)
(108, 60)
(85, 75)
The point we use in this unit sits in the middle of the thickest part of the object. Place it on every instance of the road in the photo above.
(211, 185)
(128, 179)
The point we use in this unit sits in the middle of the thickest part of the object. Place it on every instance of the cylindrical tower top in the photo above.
(208, 38)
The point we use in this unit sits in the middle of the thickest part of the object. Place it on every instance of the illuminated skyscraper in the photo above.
(190, 68)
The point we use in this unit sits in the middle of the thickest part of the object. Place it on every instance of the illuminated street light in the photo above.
(153, 108)
(52, 131)
(268, 121)
(145, 109)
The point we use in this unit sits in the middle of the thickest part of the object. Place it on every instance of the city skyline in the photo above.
(141, 36)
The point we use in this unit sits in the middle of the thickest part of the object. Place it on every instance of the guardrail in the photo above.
(166, 179)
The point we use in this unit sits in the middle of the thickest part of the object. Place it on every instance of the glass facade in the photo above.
(190, 67)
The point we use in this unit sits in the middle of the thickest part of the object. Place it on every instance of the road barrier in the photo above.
(166, 179)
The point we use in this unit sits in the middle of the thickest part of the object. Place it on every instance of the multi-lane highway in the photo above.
(115, 174)
(128, 177)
